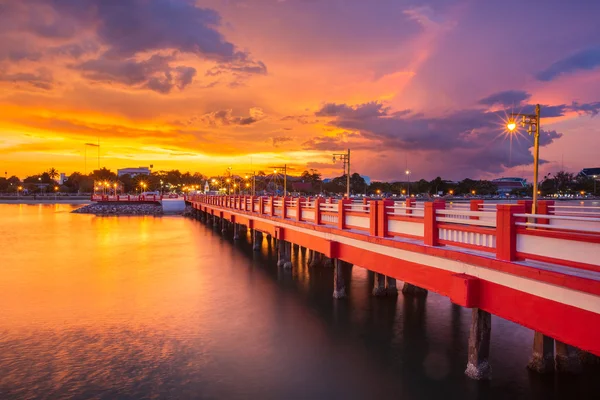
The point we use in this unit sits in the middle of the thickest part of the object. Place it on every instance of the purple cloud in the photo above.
(154, 73)
(360, 111)
(587, 59)
(506, 98)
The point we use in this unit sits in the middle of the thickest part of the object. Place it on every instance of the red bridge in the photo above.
(541, 271)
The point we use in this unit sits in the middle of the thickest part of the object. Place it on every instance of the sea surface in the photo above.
(167, 308)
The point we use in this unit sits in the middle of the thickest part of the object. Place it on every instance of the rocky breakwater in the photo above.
(121, 209)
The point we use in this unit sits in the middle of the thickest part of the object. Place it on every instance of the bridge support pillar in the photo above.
(391, 289)
(215, 220)
(257, 242)
(478, 366)
(316, 260)
(413, 290)
(288, 256)
(223, 226)
(326, 261)
(379, 285)
(236, 231)
(567, 359)
(280, 253)
(339, 286)
(542, 358)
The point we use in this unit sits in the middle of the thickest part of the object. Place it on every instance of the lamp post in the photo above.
(19, 188)
(345, 157)
(532, 121)
(595, 177)
(284, 168)
(407, 172)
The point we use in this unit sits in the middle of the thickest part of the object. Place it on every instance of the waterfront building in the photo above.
(133, 171)
(507, 185)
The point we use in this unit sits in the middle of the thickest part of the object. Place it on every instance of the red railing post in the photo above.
(283, 207)
(506, 230)
(342, 212)
(474, 206)
(410, 202)
(382, 217)
(272, 202)
(261, 205)
(431, 231)
(544, 208)
(373, 210)
(528, 205)
(318, 202)
(299, 201)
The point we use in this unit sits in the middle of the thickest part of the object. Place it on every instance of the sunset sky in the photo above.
(202, 85)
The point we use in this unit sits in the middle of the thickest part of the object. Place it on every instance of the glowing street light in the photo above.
(407, 172)
(532, 121)
(473, 192)
(451, 192)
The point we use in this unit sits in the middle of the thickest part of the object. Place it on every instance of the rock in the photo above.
(121, 209)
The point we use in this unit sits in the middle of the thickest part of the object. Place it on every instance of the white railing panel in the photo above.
(406, 228)
(471, 238)
(359, 222)
(291, 213)
(568, 250)
(308, 215)
(329, 219)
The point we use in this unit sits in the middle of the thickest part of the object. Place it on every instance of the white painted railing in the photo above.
(475, 218)
(561, 222)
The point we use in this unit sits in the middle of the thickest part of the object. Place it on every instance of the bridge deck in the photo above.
(545, 275)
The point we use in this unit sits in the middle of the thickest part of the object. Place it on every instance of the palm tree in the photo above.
(53, 173)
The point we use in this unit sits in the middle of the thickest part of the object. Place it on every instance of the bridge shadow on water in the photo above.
(419, 344)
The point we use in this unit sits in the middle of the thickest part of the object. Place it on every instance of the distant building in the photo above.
(133, 171)
(507, 185)
(590, 172)
(62, 179)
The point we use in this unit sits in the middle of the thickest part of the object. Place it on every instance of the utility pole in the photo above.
(532, 121)
(345, 157)
(284, 168)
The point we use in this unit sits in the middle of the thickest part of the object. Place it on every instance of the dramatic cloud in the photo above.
(154, 73)
(277, 140)
(41, 79)
(226, 117)
(473, 135)
(361, 111)
(584, 60)
(132, 37)
(506, 99)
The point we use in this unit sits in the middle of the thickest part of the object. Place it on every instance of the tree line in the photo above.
(561, 182)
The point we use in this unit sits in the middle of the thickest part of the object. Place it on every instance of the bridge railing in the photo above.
(509, 231)
(124, 198)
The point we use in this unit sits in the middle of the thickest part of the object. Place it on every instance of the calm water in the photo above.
(138, 307)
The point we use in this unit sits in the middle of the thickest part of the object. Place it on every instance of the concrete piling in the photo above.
(478, 366)
(391, 289)
(412, 290)
(567, 359)
(542, 357)
(280, 253)
(236, 231)
(379, 285)
(257, 240)
(339, 286)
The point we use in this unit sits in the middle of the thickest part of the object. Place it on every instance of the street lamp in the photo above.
(595, 177)
(532, 121)
(345, 157)
(451, 192)
(284, 168)
(19, 191)
(407, 172)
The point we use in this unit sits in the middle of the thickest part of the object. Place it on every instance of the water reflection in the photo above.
(140, 307)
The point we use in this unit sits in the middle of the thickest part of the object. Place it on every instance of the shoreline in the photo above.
(45, 201)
